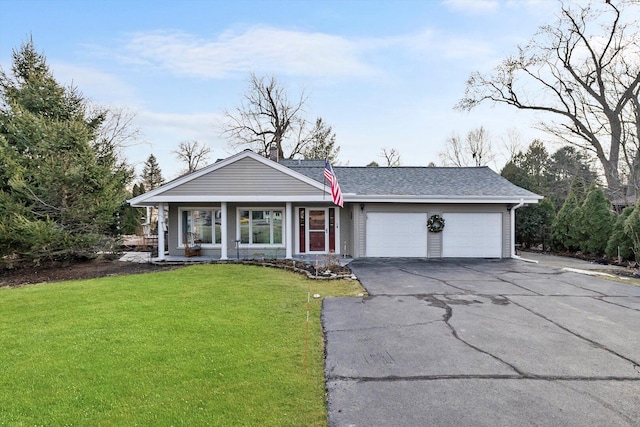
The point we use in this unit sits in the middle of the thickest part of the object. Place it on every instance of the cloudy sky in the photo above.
(381, 73)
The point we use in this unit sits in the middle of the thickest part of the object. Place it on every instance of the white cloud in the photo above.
(94, 84)
(295, 53)
(265, 48)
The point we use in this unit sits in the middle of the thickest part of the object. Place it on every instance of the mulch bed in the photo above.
(90, 269)
(55, 272)
(334, 271)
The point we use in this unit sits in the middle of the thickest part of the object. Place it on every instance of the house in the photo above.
(618, 205)
(247, 204)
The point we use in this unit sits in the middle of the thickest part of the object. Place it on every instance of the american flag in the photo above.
(336, 193)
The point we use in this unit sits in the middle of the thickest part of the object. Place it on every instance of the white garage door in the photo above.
(396, 234)
(472, 235)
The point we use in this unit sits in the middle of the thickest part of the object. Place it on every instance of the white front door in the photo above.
(317, 230)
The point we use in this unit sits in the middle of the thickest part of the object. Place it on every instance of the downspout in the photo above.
(513, 233)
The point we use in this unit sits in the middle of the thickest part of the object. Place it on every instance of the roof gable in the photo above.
(243, 175)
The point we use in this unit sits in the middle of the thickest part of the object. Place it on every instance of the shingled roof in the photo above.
(437, 182)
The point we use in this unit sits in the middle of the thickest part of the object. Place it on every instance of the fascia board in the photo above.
(353, 199)
(149, 197)
(152, 201)
(441, 199)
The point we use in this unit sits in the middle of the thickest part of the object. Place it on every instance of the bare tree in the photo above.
(193, 154)
(583, 71)
(391, 157)
(453, 152)
(266, 116)
(512, 143)
(115, 133)
(475, 150)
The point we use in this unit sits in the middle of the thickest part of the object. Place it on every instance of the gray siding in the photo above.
(246, 177)
(506, 235)
(346, 230)
(359, 230)
(172, 229)
(434, 240)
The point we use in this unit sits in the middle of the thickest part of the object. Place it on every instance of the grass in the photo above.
(203, 345)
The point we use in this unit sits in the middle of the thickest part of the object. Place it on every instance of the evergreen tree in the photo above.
(59, 192)
(533, 224)
(596, 221)
(131, 217)
(151, 174)
(632, 229)
(529, 170)
(620, 243)
(565, 166)
(566, 232)
(321, 144)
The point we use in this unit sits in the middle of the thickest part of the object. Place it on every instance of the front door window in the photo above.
(317, 230)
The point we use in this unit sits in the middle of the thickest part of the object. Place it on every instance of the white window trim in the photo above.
(213, 210)
(262, 208)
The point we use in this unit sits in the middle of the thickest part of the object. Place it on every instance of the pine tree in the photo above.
(632, 229)
(566, 233)
(620, 243)
(321, 144)
(151, 174)
(596, 221)
(59, 193)
(533, 224)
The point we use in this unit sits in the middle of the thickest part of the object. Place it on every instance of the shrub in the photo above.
(533, 224)
(595, 221)
(632, 229)
(619, 240)
(565, 233)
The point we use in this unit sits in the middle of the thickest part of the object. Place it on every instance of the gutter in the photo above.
(513, 233)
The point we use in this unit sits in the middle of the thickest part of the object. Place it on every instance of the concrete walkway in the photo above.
(139, 257)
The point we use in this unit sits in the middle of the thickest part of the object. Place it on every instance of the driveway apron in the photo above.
(482, 343)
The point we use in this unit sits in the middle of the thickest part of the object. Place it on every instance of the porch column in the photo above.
(288, 232)
(223, 230)
(161, 231)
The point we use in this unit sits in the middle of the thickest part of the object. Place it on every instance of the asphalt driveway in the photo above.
(482, 343)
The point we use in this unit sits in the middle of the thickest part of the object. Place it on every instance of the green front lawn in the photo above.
(203, 345)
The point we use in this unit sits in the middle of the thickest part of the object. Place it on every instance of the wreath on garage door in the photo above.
(435, 223)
